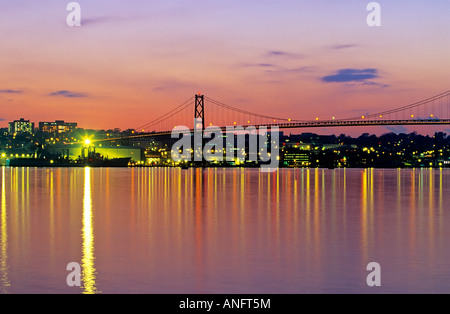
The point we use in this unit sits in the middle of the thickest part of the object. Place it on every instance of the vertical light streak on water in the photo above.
(4, 268)
(14, 197)
(27, 200)
(276, 218)
(22, 196)
(344, 197)
(295, 203)
(372, 194)
(52, 209)
(323, 204)
(178, 190)
(371, 235)
(269, 203)
(179, 219)
(317, 228)
(216, 202)
(364, 227)
(106, 199)
(441, 208)
(431, 212)
(399, 199)
(287, 210)
(150, 201)
(333, 195)
(242, 211)
(308, 209)
(133, 195)
(421, 175)
(412, 215)
(88, 258)
(199, 236)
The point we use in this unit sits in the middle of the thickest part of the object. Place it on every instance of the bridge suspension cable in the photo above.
(168, 115)
(238, 110)
(404, 108)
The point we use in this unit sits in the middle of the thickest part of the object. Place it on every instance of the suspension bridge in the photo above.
(434, 110)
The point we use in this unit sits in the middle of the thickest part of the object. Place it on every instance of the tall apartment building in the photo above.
(20, 126)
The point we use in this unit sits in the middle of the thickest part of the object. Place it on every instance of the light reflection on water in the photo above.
(224, 230)
(87, 261)
(4, 239)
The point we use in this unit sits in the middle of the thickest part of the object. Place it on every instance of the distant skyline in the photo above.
(131, 61)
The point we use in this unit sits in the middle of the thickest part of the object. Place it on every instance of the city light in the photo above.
(87, 141)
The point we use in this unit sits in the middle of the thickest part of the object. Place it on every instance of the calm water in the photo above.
(224, 230)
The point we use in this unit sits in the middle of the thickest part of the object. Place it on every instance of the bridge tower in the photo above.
(200, 109)
(199, 128)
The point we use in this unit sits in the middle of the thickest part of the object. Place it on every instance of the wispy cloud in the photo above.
(258, 65)
(291, 70)
(345, 46)
(277, 61)
(284, 54)
(278, 53)
(368, 83)
(355, 77)
(108, 19)
(275, 68)
(10, 91)
(68, 94)
(351, 75)
(97, 20)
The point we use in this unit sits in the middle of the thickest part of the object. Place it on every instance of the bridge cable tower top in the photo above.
(200, 109)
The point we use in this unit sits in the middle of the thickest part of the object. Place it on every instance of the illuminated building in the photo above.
(59, 126)
(20, 126)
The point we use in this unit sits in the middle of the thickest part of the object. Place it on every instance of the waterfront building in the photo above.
(20, 126)
(57, 127)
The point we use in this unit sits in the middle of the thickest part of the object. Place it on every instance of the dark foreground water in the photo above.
(224, 230)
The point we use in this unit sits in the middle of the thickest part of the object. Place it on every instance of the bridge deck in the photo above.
(313, 124)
